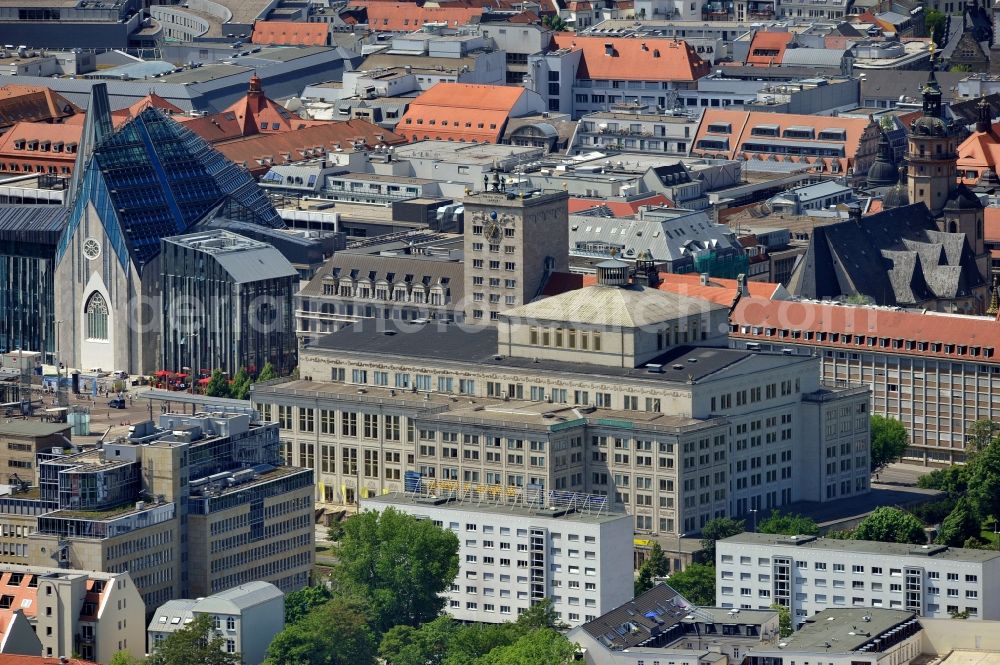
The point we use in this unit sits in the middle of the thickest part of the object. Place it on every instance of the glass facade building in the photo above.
(28, 238)
(152, 179)
(227, 304)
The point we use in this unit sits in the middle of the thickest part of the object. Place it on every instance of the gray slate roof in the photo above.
(897, 257)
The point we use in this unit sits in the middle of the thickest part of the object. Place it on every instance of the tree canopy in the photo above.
(888, 441)
(696, 583)
(444, 641)
(267, 373)
(717, 529)
(891, 525)
(335, 633)
(961, 524)
(240, 388)
(784, 619)
(195, 643)
(789, 524)
(983, 479)
(217, 386)
(398, 564)
(655, 565)
(539, 647)
(298, 604)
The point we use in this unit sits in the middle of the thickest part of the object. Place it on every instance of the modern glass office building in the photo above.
(28, 238)
(227, 303)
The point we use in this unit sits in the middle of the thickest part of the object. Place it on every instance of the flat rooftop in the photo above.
(441, 341)
(844, 630)
(483, 153)
(483, 508)
(244, 11)
(459, 409)
(31, 428)
(204, 74)
(937, 552)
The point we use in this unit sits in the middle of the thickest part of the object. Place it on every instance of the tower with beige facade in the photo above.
(513, 242)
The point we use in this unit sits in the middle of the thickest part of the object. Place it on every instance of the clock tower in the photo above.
(513, 242)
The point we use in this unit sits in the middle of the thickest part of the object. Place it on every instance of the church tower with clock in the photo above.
(513, 242)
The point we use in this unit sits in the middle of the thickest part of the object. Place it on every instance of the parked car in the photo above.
(117, 403)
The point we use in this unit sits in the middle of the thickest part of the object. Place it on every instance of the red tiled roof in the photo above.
(979, 152)
(258, 114)
(763, 44)
(29, 103)
(460, 112)
(290, 33)
(618, 208)
(718, 291)
(408, 17)
(912, 333)
(742, 123)
(991, 224)
(214, 128)
(301, 144)
(633, 58)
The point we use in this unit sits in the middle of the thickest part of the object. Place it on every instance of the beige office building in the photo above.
(617, 389)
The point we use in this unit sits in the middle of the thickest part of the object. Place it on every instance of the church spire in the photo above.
(932, 91)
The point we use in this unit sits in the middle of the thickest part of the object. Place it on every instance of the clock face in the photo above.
(91, 249)
(492, 231)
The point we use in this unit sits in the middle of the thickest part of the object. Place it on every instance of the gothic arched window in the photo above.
(97, 317)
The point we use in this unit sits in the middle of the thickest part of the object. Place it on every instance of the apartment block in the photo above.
(809, 574)
(615, 389)
(84, 612)
(192, 505)
(566, 547)
(247, 617)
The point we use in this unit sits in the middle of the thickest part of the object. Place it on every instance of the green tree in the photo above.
(398, 564)
(960, 525)
(934, 22)
(784, 619)
(196, 642)
(888, 441)
(554, 23)
(335, 633)
(268, 373)
(426, 645)
(983, 478)
(960, 68)
(789, 524)
(950, 480)
(124, 658)
(217, 385)
(240, 388)
(655, 565)
(539, 647)
(891, 525)
(696, 583)
(298, 604)
(979, 435)
(335, 531)
(717, 529)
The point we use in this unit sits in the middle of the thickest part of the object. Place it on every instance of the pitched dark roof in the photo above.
(41, 224)
(642, 619)
(896, 257)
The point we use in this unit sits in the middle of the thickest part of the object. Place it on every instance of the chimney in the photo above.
(704, 279)
(854, 212)
(741, 285)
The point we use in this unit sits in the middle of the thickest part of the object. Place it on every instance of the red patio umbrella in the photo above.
(163, 374)
(204, 381)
